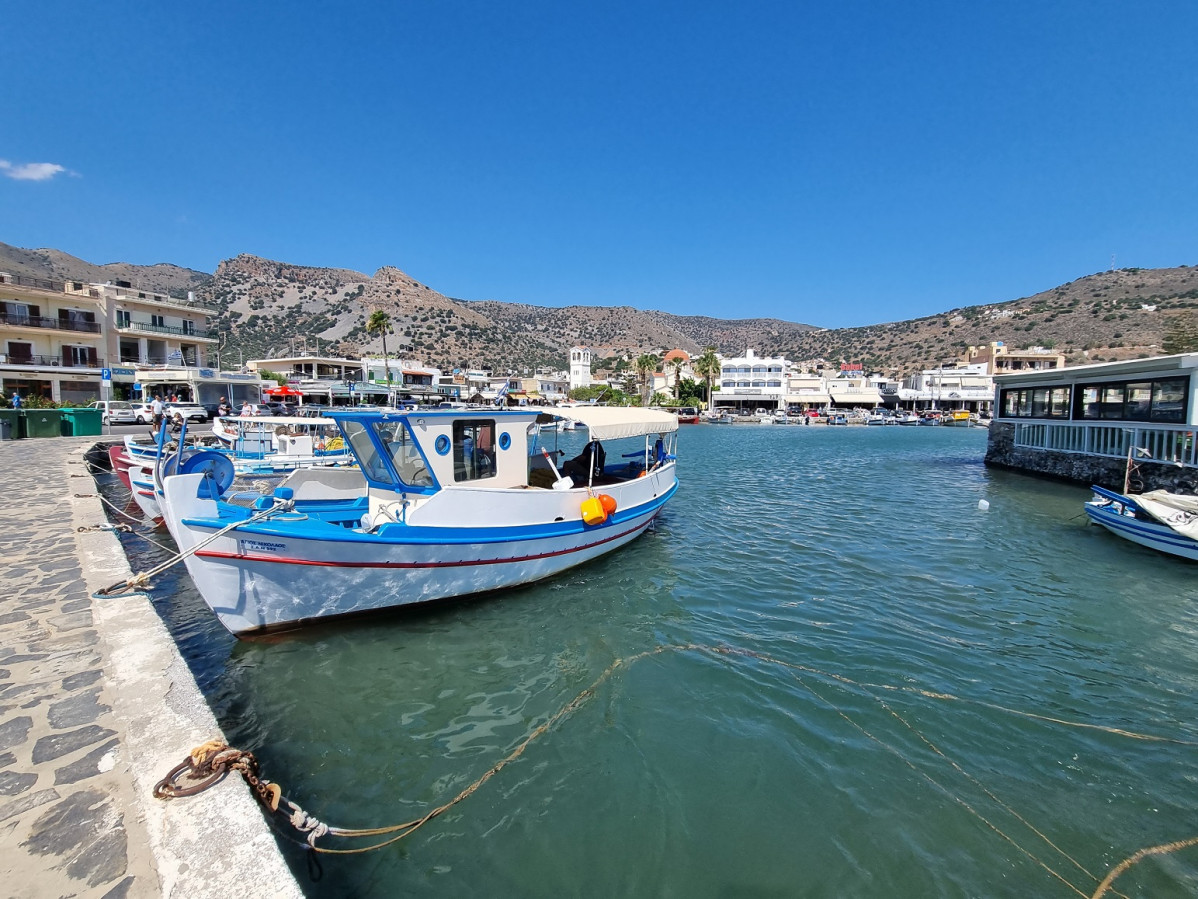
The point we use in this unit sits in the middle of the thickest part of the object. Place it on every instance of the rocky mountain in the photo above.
(56, 265)
(270, 308)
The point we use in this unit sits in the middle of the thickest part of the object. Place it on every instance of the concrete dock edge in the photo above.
(214, 844)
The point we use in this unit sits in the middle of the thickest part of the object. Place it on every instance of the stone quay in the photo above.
(96, 706)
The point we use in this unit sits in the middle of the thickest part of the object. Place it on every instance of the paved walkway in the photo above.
(95, 707)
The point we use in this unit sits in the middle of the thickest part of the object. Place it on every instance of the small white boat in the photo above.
(1163, 521)
(447, 503)
(264, 443)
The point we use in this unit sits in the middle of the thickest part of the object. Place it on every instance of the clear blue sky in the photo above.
(837, 163)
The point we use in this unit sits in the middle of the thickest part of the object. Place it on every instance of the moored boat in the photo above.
(958, 418)
(448, 503)
(1163, 521)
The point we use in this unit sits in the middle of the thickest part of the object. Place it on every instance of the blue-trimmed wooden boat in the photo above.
(1158, 520)
(444, 503)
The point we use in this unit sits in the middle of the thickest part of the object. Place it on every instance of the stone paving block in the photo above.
(98, 761)
(15, 782)
(14, 731)
(83, 708)
(25, 803)
(87, 833)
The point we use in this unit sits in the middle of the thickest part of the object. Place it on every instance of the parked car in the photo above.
(277, 408)
(143, 413)
(115, 411)
(189, 411)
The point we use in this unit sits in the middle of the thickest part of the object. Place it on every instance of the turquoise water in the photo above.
(914, 698)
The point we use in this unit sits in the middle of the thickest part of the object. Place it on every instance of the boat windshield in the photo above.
(386, 449)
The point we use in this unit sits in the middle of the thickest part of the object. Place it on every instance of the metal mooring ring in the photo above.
(168, 789)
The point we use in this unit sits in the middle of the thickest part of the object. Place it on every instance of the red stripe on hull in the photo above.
(209, 554)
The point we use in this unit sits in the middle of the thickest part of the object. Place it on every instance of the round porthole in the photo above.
(442, 445)
(505, 440)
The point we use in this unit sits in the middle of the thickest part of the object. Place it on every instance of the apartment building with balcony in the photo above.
(58, 339)
(1001, 359)
(752, 382)
(148, 329)
(949, 387)
(52, 343)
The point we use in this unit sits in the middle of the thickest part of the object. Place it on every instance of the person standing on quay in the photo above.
(16, 400)
(156, 410)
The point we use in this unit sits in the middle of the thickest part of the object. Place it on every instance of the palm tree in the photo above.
(380, 323)
(646, 365)
(677, 363)
(707, 366)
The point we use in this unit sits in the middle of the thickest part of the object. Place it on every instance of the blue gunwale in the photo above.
(314, 528)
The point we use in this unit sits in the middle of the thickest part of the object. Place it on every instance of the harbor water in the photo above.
(829, 670)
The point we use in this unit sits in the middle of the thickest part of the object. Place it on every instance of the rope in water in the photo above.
(208, 763)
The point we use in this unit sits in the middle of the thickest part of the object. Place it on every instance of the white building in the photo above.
(580, 367)
(949, 387)
(58, 340)
(752, 382)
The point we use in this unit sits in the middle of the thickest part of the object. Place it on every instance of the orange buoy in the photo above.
(608, 502)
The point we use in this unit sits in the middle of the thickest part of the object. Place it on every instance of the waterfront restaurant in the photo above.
(1096, 423)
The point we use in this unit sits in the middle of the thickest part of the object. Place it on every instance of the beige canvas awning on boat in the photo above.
(1177, 511)
(614, 422)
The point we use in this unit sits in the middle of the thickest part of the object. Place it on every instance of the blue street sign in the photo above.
(106, 374)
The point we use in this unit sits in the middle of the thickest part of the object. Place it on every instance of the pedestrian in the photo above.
(16, 400)
(224, 408)
(156, 410)
(247, 409)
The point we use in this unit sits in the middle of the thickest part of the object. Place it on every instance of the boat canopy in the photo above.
(1177, 511)
(614, 422)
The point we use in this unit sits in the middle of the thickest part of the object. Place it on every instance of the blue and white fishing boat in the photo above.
(1159, 520)
(444, 503)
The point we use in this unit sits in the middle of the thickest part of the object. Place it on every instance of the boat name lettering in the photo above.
(259, 546)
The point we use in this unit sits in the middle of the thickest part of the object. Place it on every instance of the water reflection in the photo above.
(871, 741)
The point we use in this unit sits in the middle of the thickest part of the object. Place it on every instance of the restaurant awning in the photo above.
(862, 397)
(284, 390)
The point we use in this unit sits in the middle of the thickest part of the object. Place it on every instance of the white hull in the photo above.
(259, 577)
(1138, 530)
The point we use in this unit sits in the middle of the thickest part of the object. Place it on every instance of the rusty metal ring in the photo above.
(167, 789)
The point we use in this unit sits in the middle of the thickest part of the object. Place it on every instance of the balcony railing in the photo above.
(48, 361)
(38, 283)
(163, 362)
(164, 329)
(1162, 443)
(44, 321)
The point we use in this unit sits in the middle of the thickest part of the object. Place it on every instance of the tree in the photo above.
(677, 363)
(645, 365)
(380, 323)
(707, 367)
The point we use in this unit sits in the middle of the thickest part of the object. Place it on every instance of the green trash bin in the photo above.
(82, 422)
(10, 424)
(41, 422)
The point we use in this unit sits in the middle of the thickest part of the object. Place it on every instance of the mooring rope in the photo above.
(142, 581)
(207, 765)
